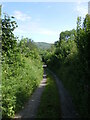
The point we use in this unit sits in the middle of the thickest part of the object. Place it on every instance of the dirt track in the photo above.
(30, 110)
(67, 106)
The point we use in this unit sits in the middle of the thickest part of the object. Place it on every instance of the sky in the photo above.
(43, 21)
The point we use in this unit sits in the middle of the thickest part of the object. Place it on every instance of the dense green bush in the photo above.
(21, 69)
(18, 84)
(70, 61)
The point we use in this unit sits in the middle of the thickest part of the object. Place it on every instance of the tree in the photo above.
(83, 43)
(67, 35)
(8, 39)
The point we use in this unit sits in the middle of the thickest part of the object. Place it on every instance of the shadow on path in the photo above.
(67, 106)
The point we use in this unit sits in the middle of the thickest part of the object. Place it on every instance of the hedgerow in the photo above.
(70, 61)
(21, 69)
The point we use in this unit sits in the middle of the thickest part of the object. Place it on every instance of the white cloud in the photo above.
(47, 32)
(19, 30)
(21, 16)
(38, 34)
(81, 9)
(35, 30)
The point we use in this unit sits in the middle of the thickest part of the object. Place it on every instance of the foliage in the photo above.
(83, 42)
(70, 61)
(0, 21)
(8, 39)
(18, 84)
(21, 69)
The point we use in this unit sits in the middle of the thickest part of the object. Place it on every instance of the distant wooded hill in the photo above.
(43, 45)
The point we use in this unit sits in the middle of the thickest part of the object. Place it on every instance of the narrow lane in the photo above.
(30, 110)
(67, 106)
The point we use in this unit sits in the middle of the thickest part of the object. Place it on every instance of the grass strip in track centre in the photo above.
(50, 103)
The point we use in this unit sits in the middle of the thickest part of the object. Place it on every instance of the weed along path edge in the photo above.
(67, 106)
(49, 104)
(30, 109)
